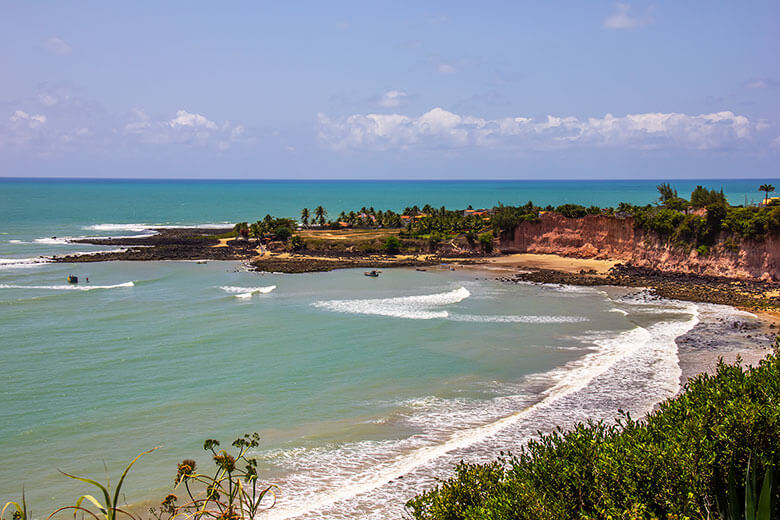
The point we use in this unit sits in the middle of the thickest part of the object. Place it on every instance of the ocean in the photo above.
(363, 390)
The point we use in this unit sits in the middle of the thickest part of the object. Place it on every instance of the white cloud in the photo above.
(441, 129)
(622, 18)
(20, 117)
(184, 118)
(446, 68)
(392, 98)
(184, 128)
(57, 46)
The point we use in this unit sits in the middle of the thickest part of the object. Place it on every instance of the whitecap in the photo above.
(23, 263)
(51, 240)
(421, 307)
(247, 292)
(68, 287)
(477, 318)
(140, 228)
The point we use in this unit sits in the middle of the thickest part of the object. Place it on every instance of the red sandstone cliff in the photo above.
(596, 236)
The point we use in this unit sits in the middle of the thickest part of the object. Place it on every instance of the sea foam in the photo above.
(246, 293)
(22, 263)
(422, 307)
(639, 367)
(69, 287)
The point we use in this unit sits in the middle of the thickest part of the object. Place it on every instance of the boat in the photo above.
(372, 274)
(73, 279)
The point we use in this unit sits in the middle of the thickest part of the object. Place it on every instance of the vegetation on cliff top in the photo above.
(682, 461)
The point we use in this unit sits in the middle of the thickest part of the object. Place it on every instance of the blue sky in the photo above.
(524, 90)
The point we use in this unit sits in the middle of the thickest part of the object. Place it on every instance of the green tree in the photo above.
(667, 192)
(486, 242)
(242, 228)
(305, 217)
(319, 215)
(766, 188)
(701, 197)
(256, 231)
(283, 233)
(392, 245)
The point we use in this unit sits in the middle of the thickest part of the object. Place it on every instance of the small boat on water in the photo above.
(372, 274)
(73, 279)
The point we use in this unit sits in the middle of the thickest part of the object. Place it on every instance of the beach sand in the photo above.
(544, 261)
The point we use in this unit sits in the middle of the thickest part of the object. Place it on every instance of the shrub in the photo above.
(297, 243)
(392, 245)
(572, 210)
(486, 242)
(283, 233)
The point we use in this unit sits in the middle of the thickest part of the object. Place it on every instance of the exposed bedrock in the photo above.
(606, 237)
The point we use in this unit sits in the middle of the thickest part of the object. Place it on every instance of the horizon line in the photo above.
(340, 179)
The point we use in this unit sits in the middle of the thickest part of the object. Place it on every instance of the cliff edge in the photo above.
(609, 237)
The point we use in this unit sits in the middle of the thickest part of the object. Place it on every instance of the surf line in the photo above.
(576, 379)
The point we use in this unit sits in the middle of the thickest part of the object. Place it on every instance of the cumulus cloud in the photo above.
(22, 118)
(57, 46)
(441, 129)
(392, 98)
(184, 128)
(623, 19)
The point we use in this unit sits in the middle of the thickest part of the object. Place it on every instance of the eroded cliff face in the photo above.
(601, 237)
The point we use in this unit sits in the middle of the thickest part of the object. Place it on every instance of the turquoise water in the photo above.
(352, 382)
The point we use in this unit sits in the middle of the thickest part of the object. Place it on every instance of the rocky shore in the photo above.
(751, 294)
(206, 244)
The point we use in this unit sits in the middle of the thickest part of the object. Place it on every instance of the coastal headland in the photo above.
(588, 250)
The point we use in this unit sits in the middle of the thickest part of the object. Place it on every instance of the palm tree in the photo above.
(319, 215)
(766, 188)
(256, 230)
(305, 217)
(242, 228)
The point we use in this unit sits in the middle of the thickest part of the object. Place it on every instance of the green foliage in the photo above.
(229, 492)
(747, 502)
(572, 210)
(666, 466)
(283, 233)
(767, 189)
(108, 509)
(666, 192)
(752, 223)
(486, 242)
(703, 250)
(702, 197)
(506, 218)
(392, 245)
(297, 243)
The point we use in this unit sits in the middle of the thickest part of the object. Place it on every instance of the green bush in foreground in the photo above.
(669, 466)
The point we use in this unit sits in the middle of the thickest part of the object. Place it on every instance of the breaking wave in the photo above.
(247, 292)
(73, 287)
(423, 307)
(22, 263)
(367, 479)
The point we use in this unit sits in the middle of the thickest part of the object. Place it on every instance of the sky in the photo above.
(400, 90)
